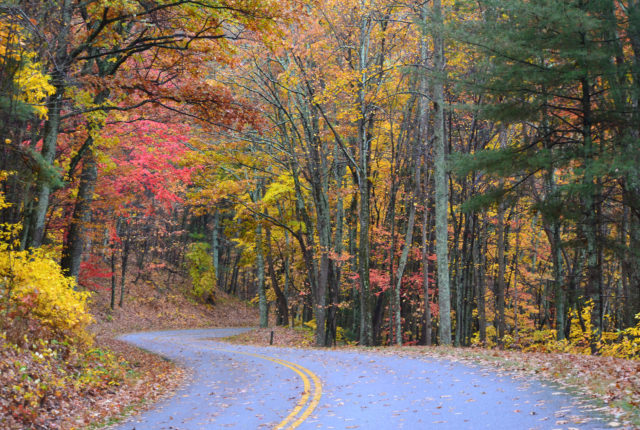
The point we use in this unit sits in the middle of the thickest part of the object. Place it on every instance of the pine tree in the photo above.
(549, 69)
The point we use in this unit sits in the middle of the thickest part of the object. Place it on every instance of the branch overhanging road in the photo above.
(246, 387)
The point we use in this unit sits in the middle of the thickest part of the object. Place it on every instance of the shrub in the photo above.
(201, 271)
(623, 343)
(32, 287)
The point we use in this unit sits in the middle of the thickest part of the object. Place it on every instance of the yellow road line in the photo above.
(304, 374)
(314, 401)
(303, 400)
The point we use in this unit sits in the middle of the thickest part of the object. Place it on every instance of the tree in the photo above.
(442, 200)
(98, 46)
(551, 71)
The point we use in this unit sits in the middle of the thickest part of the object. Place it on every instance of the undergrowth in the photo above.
(47, 357)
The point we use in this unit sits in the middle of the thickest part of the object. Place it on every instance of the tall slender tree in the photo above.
(441, 175)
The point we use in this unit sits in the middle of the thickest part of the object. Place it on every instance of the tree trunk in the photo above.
(74, 243)
(401, 266)
(281, 300)
(500, 299)
(352, 219)
(124, 262)
(425, 272)
(480, 262)
(500, 244)
(364, 140)
(441, 175)
(366, 335)
(113, 276)
(52, 126)
(49, 145)
(262, 294)
(591, 208)
(408, 243)
(215, 245)
(334, 282)
(515, 281)
(423, 136)
(394, 301)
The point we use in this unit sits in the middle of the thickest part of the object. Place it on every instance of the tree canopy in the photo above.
(383, 172)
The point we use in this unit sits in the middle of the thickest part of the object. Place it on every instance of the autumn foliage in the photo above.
(296, 155)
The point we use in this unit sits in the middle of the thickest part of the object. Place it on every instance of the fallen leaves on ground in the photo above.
(147, 307)
(153, 378)
(282, 336)
(62, 388)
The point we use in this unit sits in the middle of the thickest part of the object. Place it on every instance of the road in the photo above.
(246, 387)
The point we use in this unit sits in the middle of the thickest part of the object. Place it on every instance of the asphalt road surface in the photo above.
(246, 387)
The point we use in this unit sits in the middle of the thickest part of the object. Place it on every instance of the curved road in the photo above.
(245, 387)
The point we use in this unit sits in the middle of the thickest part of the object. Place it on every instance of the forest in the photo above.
(379, 172)
(383, 172)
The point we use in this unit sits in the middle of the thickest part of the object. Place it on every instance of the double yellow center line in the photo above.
(307, 403)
